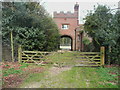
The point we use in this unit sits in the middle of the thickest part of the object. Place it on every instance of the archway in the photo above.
(66, 42)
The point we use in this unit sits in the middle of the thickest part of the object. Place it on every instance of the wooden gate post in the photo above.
(12, 47)
(102, 50)
(19, 53)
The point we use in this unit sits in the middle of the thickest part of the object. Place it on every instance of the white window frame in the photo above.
(66, 26)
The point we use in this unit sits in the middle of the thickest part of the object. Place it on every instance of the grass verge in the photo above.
(15, 73)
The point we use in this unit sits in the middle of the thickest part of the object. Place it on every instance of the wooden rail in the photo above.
(31, 56)
(87, 58)
(92, 58)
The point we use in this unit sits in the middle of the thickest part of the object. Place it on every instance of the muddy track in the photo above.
(46, 82)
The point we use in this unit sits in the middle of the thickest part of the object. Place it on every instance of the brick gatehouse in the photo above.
(68, 24)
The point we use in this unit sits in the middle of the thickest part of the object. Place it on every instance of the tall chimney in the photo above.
(76, 7)
(76, 11)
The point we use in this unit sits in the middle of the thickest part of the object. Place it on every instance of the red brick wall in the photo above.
(72, 25)
(72, 22)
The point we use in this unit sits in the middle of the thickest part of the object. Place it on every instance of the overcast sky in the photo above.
(68, 5)
(84, 6)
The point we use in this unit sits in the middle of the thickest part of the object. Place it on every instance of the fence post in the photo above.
(19, 53)
(12, 47)
(102, 50)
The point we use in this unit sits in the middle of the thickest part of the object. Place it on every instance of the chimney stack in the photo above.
(76, 7)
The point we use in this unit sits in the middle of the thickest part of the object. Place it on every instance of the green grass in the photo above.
(68, 58)
(81, 77)
(111, 80)
(8, 71)
(24, 65)
(77, 77)
(11, 71)
(35, 77)
(32, 78)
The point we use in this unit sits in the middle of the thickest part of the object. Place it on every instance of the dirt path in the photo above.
(56, 70)
(48, 79)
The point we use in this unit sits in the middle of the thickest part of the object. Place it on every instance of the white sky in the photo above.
(84, 6)
(68, 5)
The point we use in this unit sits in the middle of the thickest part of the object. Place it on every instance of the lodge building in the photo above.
(68, 24)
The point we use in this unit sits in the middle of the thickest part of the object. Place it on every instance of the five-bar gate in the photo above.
(85, 58)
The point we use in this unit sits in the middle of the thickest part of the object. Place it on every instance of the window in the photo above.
(65, 26)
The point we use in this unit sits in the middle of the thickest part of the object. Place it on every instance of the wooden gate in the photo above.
(91, 58)
(85, 58)
(31, 56)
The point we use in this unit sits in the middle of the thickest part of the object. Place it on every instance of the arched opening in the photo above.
(66, 42)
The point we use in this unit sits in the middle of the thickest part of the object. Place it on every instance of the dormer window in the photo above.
(65, 26)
